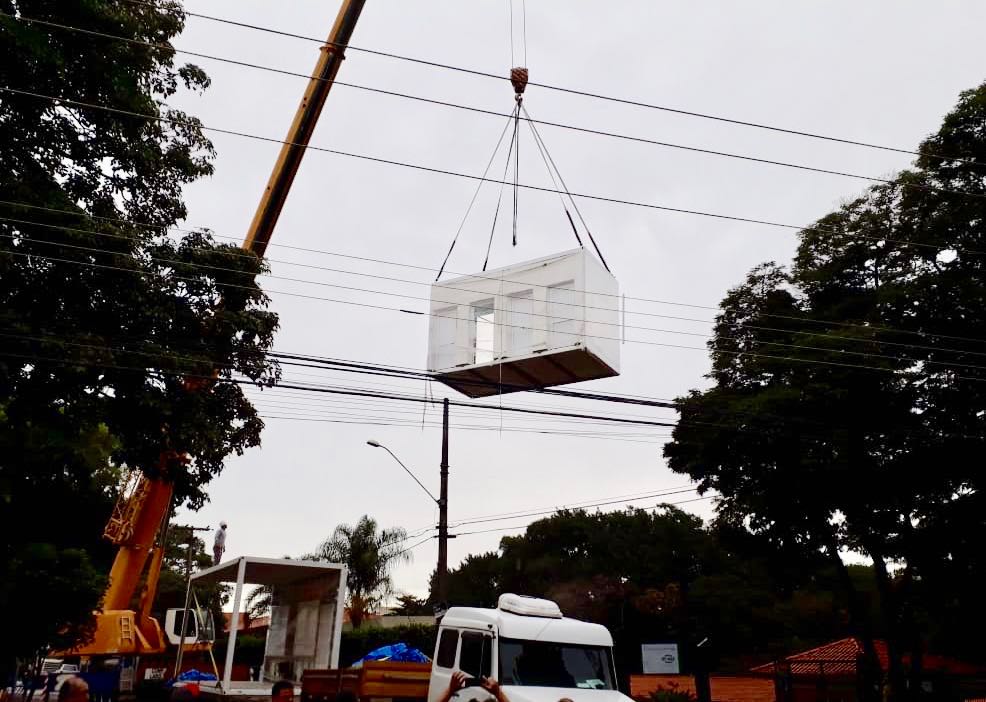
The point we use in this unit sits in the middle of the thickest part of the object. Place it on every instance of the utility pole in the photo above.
(443, 514)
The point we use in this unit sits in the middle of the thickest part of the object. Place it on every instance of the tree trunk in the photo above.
(860, 624)
(888, 601)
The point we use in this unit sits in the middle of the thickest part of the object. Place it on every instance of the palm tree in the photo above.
(368, 555)
(258, 603)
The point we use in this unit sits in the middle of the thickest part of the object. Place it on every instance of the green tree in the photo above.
(848, 406)
(474, 583)
(368, 554)
(411, 606)
(107, 319)
(662, 577)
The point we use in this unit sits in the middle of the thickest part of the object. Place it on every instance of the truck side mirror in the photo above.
(173, 626)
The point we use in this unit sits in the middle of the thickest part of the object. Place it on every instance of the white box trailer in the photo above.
(307, 600)
(541, 323)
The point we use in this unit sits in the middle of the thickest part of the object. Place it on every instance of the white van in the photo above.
(526, 644)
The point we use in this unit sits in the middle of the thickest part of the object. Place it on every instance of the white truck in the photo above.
(526, 644)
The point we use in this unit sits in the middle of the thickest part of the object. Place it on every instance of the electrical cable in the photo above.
(413, 546)
(591, 502)
(34, 358)
(525, 526)
(464, 382)
(673, 303)
(475, 194)
(333, 391)
(713, 339)
(575, 205)
(482, 292)
(468, 522)
(443, 103)
(571, 91)
(457, 174)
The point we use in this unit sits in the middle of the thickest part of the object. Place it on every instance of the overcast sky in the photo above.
(882, 72)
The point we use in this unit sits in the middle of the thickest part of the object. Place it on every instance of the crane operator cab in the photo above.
(535, 653)
(198, 629)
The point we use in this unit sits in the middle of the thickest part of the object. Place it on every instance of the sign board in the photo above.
(661, 658)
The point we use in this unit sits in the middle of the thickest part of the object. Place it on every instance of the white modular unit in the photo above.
(532, 325)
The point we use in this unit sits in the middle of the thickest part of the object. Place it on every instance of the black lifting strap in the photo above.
(479, 186)
(552, 167)
(499, 199)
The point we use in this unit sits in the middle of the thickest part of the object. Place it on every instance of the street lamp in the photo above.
(377, 444)
(442, 503)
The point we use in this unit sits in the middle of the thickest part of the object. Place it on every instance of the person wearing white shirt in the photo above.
(219, 544)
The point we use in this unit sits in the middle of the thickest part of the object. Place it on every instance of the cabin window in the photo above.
(448, 642)
(476, 655)
(484, 331)
(563, 314)
(520, 323)
(445, 348)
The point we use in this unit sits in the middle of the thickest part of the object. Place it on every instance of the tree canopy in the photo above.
(120, 335)
(661, 576)
(848, 401)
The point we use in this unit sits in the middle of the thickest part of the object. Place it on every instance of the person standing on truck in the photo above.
(219, 544)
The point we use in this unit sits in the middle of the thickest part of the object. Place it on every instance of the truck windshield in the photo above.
(550, 664)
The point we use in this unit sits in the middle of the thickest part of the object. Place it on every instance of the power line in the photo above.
(409, 281)
(467, 522)
(713, 339)
(34, 358)
(632, 497)
(673, 303)
(525, 186)
(355, 393)
(494, 113)
(413, 546)
(317, 408)
(524, 526)
(571, 91)
(632, 341)
(813, 334)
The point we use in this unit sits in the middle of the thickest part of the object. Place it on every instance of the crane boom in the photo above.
(302, 127)
(139, 521)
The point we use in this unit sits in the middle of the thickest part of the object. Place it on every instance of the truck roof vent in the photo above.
(528, 606)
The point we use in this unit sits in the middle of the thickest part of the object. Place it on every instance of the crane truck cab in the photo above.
(536, 653)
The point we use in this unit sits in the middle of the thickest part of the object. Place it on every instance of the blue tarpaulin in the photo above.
(192, 676)
(395, 652)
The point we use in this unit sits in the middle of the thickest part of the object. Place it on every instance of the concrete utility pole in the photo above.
(441, 501)
(443, 514)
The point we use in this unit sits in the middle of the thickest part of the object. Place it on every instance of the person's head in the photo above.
(222, 525)
(185, 693)
(283, 691)
(75, 689)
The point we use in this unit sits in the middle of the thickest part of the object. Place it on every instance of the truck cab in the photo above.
(536, 653)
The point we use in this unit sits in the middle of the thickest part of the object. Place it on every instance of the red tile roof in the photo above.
(257, 623)
(840, 658)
